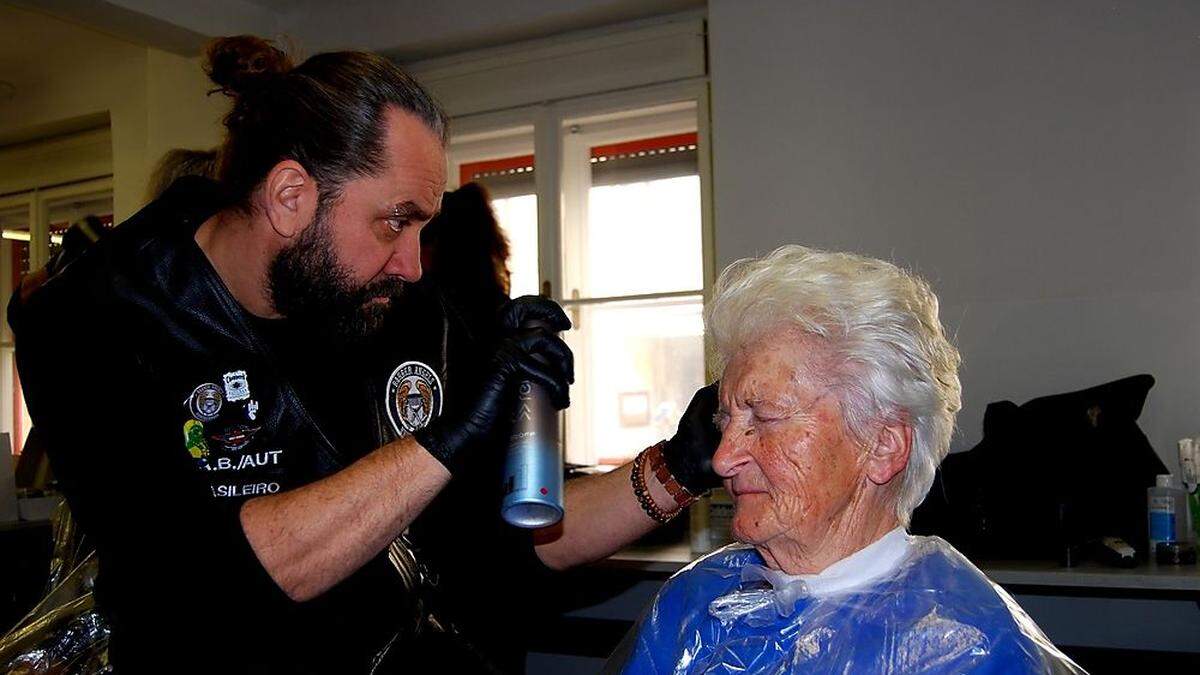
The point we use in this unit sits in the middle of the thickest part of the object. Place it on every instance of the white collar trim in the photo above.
(854, 571)
(865, 565)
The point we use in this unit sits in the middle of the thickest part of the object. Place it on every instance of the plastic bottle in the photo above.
(1167, 506)
(1189, 472)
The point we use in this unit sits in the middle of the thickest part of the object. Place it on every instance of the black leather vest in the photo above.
(241, 421)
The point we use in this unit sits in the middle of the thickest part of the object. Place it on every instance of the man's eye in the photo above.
(395, 224)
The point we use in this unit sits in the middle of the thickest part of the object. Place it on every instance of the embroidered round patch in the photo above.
(205, 402)
(414, 396)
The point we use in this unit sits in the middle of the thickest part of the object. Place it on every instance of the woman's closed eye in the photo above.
(770, 416)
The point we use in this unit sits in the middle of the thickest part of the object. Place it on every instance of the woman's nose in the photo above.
(731, 455)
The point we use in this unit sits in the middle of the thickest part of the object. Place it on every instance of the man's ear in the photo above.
(889, 456)
(290, 198)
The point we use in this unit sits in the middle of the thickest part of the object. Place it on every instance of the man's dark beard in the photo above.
(311, 287)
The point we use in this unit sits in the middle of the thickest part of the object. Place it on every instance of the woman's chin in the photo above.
(748, 526)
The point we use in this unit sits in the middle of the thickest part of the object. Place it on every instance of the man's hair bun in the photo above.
(242, 63)
(328, 113)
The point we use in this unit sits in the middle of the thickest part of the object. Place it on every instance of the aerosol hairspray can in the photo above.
(533, 469)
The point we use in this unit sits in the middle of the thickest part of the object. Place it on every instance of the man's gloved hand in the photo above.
(535, 354)
(689, 453)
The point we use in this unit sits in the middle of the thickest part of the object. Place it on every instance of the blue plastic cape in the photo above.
(928, 611)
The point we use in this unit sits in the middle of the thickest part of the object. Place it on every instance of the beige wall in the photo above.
(52, 161)
(179, 111)
(154, 100)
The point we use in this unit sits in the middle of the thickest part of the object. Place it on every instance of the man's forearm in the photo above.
(602, 515)
(310, 538)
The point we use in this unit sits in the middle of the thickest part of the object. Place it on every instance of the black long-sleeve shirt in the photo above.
(182, 407)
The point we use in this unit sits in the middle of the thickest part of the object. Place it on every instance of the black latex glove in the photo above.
(535, 354)
(689, 453)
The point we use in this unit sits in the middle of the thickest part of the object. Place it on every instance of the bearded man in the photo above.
(244, 453)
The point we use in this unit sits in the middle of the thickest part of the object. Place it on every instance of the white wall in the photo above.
(415, 29)
(613, 58)
(1038, 162)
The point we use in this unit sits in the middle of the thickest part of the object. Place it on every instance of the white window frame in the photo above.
(547, 121)
(577, 180)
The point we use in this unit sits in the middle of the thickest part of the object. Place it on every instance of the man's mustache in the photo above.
(384, 288)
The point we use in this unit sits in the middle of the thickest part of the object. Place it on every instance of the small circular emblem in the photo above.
(205, 402)
(414, 396)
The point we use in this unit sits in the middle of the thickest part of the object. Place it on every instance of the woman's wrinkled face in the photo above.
(786, 457)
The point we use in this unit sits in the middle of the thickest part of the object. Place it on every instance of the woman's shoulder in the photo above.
(682, 603)
(725, 562)
(707, 577)
(948, 603)
(937, 579)
(933, 563)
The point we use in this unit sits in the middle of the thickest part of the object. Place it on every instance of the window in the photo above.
(15, 251)
(632, 277)
(31, 228)
(608, 216)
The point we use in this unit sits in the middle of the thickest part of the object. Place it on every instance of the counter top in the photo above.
(15, 525)
(667, 559)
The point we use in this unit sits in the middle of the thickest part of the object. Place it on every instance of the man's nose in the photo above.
(731, 455)
(406, 256)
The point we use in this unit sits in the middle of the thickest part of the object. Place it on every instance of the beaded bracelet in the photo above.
(638, 479)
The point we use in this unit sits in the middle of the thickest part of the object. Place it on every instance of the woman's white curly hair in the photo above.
(890, 356)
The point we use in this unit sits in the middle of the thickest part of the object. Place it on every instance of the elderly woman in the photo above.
(837, 402)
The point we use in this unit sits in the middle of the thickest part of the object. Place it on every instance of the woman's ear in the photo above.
(889, 456)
